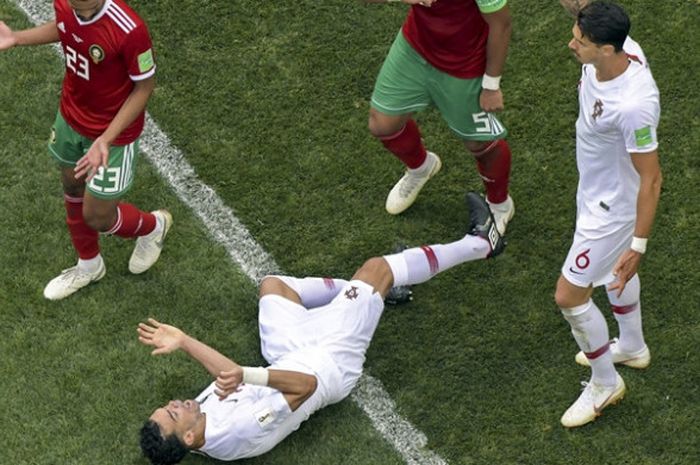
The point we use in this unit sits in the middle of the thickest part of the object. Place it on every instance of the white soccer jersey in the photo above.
(616, 118)
(329, 342)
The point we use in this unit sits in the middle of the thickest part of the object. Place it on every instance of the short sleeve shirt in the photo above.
(255, 419)
(104, 56)
(240, 426)
(616, 118)
(451, 35)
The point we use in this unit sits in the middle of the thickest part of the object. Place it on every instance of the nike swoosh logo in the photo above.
(598, 408)
(574, 271)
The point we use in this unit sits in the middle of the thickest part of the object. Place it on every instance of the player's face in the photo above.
(177, 417)
(584, 50)
(86, 9)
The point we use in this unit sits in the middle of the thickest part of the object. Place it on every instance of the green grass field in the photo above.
(269, 101)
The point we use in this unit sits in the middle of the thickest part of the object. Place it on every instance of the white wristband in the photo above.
(255, 375)
(639, 244)
(491, 82)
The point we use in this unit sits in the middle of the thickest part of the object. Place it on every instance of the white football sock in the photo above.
(628, 313)
(419, 264)
(314, 292)
(591, 334)
(90, 265)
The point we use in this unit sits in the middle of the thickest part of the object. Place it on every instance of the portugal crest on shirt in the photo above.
(597, 109)
(351, 294)
(96, 53)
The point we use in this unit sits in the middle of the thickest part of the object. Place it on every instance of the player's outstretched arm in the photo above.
(7, 37)
(165, 339)
(44, 34)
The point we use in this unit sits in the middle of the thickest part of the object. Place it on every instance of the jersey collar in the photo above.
(95, 18)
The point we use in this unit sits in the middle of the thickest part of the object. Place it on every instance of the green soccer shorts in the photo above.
(67, 147)
(407, 83)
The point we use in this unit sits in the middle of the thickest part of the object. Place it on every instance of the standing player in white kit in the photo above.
(618, 192)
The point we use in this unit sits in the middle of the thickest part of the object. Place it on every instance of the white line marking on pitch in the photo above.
(226, 229)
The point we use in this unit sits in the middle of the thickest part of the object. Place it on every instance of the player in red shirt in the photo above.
(109, 78)
(451, 54)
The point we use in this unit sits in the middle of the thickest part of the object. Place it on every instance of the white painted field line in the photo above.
(226, 229)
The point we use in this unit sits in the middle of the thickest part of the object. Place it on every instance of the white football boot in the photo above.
(148, 247)
(592, 401)
(502, 212)
(72, 280)
(406, 190)
(639, 359)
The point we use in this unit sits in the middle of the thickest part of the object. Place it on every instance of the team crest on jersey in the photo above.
(351, 294)
(96, 53)
(597, 109)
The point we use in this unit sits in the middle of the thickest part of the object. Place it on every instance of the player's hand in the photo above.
(95, 158)
(228, 382)
(164, 338)
(625, 268)
(491, 100)
(7, 37)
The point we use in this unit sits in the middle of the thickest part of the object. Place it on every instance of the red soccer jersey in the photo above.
(104, 56)
(451, 35)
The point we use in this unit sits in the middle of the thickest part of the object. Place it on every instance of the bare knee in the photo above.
(71, 186)
(99, 219)
(568, 295)
(274, 285)
(381, 125)
(561, 299)
(476, 147)
(377, 273)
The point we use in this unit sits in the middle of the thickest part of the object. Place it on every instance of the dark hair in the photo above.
(158, 449)
(604, 23)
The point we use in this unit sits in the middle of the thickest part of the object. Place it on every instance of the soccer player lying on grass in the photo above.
(314, 332)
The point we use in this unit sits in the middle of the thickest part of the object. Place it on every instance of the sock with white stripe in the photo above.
(591, 334)
(419, 264)
(132, 222)
(628, 313)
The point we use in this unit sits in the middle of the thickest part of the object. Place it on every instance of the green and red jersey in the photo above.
(451, 35)
(104, 55)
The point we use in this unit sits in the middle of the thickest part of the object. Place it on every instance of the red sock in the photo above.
(132, 222)
(494, 166)
(406, 145)
(85, 239)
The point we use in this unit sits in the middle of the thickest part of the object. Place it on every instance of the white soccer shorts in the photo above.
(593, 255)
(342, 329)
